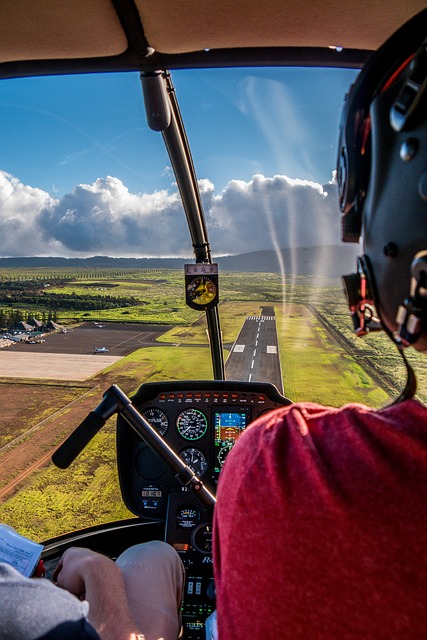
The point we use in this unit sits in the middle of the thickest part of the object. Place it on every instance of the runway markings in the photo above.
(239, 348)
(261, 318)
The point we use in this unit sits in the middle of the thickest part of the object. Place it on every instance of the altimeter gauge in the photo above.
(196, 460)
(201, 285)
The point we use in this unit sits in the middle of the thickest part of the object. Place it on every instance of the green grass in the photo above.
(232, 317)
(56, 501)
(316, 369)
(154, 364)
(161, 293)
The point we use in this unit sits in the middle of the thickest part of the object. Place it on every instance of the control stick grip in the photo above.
(77, 440)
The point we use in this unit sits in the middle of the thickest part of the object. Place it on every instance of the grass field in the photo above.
(54, 501)
(18, 417)
(161, 296)
(321, 361)
(315, 368)
(232, 316)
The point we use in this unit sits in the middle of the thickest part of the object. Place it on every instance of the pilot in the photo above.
(320, 528)
(138, 597)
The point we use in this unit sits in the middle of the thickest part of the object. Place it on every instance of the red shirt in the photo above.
(321, 526)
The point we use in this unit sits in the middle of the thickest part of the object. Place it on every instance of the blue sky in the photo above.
(78, 163)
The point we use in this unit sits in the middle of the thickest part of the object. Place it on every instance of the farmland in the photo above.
(321, 361)
(137, 296)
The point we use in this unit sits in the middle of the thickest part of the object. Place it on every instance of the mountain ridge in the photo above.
(327, 261)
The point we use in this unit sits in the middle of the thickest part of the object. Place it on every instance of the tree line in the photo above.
(83, 302)
(11, 317)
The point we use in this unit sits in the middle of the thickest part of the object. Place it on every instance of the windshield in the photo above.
(92, 252)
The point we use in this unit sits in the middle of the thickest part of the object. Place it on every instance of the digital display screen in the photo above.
(229, 426)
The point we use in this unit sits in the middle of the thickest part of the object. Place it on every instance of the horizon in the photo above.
(322, 262)
(172, 257)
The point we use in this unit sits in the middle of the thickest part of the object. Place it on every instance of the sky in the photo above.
(81, 174)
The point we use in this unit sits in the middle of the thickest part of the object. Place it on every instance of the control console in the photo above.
(201, 421)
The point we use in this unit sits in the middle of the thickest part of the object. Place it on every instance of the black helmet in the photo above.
(382, 180)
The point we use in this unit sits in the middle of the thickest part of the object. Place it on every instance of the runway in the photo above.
(255, 354)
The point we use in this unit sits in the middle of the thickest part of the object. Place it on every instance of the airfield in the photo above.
(71, 356)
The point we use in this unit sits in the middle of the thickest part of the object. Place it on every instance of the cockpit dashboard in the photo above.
(201, 421)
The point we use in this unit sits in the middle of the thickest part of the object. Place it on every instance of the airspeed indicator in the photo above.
(191, 424)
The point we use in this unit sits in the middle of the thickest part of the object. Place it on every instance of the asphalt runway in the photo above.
(119, 339)
(255, 354)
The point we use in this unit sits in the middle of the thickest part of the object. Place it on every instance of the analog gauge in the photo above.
(196, 460)
(201, 290)
(222, 454)
(202, 538)
(157, 418)
(192, 424)
(187, 517)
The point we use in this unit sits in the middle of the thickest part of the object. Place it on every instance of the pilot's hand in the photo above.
(97, 579)
(77, 566)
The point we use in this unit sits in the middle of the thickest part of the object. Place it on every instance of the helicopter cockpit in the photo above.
(195, 270)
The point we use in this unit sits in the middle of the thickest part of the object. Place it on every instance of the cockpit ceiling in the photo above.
(50, 29)
(178, 27)
(43, 36)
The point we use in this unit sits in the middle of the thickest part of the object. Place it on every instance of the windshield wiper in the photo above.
(163, 114)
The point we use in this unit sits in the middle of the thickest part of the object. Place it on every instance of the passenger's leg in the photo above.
(154, 578)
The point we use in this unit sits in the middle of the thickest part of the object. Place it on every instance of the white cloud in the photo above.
(263, 212)
(19, 207)
(167, 172)
(106, 218)
(206, 186)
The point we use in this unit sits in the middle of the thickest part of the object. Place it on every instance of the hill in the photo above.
(326, 261)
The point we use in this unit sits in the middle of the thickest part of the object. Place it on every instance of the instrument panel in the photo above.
(200, 420)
